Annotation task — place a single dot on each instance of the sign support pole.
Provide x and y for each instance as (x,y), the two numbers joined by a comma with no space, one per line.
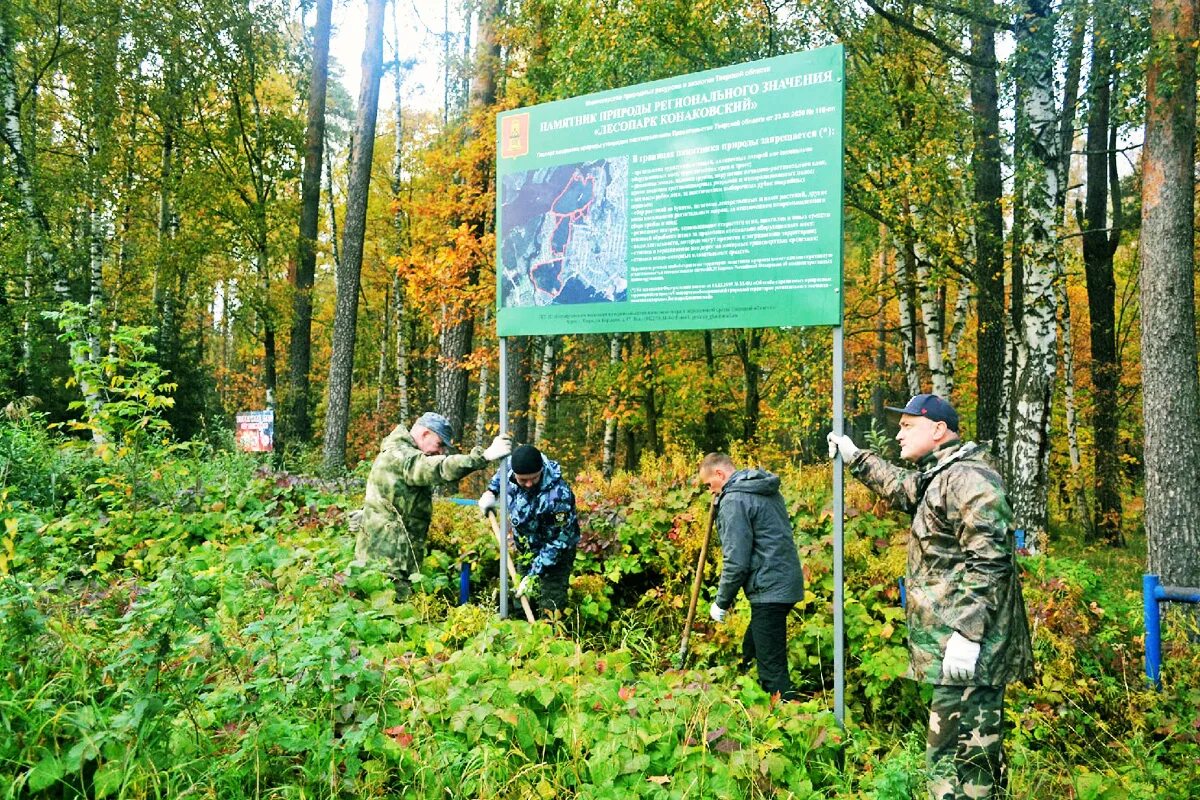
(503,543)
(839,639)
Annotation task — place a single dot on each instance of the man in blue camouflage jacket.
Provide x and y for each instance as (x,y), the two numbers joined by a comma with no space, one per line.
(541,507)
(968,634)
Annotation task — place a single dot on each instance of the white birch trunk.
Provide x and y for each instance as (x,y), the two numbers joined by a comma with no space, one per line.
(26,332)
(931,316)
(381,369)
(401,345)
(958,326)
(1036,340)
(609,457)
(10,134)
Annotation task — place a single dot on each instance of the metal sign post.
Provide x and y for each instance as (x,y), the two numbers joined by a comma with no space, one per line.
(839,655)
(503,412)
(700,201)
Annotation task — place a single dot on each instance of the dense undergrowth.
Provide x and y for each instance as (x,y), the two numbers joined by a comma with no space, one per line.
(178,621)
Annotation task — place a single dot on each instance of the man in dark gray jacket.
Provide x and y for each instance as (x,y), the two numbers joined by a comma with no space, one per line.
(760,559)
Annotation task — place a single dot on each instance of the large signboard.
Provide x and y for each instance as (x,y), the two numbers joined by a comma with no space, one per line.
(256,431)
(711,200)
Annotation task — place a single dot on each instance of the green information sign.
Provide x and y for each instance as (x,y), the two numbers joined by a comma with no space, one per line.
(711,200)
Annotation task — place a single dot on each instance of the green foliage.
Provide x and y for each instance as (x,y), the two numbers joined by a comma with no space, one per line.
(211,641)
(124,391)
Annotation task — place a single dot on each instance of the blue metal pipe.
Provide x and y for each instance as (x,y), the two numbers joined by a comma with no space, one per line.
(1177,594)
(1150,589)
(464,583)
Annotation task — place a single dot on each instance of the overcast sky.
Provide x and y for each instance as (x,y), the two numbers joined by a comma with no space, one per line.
(418,24)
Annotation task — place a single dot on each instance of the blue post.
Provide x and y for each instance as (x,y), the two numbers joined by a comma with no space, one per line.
(464,583)
(1153,633)
(903,594)
(1019,538)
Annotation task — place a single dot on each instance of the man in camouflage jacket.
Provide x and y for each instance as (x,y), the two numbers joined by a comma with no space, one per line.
(541,507)
(399,497)
(968,632)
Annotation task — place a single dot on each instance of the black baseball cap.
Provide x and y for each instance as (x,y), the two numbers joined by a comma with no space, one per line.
(931,406)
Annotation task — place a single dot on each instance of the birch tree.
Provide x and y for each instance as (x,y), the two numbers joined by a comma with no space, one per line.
(1036,354)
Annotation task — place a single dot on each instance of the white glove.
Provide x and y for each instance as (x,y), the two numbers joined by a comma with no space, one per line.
(526,585)
(499,448)
(717,613)
(961,655)
(487,503)
(841,443)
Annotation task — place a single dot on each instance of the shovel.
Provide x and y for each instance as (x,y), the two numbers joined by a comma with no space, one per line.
(696,582)
(512,571)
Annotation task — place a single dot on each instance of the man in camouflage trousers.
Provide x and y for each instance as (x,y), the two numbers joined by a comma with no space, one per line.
(399,498)
(541,507)
(968,633)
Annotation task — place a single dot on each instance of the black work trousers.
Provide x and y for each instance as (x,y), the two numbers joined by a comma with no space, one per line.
(766,643)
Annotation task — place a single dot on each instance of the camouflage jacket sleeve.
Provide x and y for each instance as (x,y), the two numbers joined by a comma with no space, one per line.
(733,524)
(560,528)
(418,469)
(983,515)
(898,486)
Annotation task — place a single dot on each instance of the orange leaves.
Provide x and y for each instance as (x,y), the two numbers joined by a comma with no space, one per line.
(446,283)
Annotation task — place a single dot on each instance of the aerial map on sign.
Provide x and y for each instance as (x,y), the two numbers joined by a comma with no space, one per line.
(563,234)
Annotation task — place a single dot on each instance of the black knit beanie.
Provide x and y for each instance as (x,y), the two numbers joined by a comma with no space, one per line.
(526,460)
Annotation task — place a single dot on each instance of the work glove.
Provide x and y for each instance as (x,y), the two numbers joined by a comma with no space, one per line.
(961,655)
(717,613)
(500,447)
(527,586)
(487,503)
(841,443)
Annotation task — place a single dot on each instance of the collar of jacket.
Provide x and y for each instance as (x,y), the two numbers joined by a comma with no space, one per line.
(945,453)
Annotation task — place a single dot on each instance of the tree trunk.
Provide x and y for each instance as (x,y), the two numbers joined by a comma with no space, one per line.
(518,387)
(748,343)
(298,423)
(908,323)
(381,370)
(1066,125)
(608,459)
(1036,351)
(958,326)
(1099,247)
(1077,504)
(931,316)
(341,363)
(1170,390)
(545,390)
(333,221)
(400,223)
(481,408)
(455,346)
(37,225)
(713,440)
(401,345)
(989,231)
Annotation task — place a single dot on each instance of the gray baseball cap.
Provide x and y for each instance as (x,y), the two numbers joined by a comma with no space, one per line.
(439,425)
